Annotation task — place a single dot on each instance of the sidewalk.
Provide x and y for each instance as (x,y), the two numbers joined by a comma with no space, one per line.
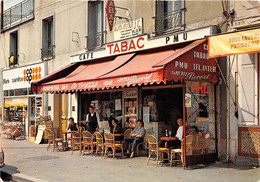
(29,160)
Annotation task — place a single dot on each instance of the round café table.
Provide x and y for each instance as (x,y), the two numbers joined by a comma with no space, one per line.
(118,135)
(65,133)
(167,139)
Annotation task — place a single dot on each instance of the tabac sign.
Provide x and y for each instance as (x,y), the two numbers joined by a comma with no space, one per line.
(142,42)
(234,43)
(110,10)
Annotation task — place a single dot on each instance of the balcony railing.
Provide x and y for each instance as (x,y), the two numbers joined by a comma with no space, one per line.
(48,53)
(18,14)
(169,22)
(95,40)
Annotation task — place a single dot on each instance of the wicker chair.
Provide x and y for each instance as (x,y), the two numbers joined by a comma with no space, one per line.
(81,129)
(127,133)
(99,143)
(110,143)
(76,141)
(154,149)
(88,142)
(141,143)
(52,138)
(69,138)
(179,153)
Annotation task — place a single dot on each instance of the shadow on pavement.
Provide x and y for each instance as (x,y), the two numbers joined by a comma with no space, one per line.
(227,165)
(7,171)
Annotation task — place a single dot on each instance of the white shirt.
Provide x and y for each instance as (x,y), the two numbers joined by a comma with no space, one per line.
(92,115)
(179,133)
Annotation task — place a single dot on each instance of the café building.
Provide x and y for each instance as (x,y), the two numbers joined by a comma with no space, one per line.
(143,79)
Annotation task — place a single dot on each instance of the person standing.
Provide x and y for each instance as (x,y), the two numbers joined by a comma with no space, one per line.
(93,119)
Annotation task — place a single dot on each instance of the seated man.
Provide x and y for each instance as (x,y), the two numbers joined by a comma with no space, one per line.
(116,129)
(179,136)
(137,136)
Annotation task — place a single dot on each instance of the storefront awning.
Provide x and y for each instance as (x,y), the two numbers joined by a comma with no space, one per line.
(188,63)
(243,42)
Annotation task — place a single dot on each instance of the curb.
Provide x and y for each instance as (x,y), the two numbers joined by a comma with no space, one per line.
(20,177)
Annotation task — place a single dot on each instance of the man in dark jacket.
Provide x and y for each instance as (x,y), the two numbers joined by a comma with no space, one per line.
(116,129)
(93,119)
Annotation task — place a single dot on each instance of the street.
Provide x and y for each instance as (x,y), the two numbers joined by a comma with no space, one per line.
(23,158)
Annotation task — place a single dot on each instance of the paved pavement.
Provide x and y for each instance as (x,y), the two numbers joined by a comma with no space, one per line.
(28,160)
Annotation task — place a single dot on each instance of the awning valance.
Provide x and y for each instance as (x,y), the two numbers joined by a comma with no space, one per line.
(188,63)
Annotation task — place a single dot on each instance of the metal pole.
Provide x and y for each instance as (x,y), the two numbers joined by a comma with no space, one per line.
(228,116)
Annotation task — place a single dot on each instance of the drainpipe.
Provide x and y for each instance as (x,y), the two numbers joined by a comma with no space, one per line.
(228,116)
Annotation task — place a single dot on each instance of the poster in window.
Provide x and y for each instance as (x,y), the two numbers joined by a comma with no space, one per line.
(187,100)
(146,114)
(118,105)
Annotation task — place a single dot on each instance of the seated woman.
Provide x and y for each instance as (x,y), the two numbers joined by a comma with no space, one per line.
(72,126)
(137,136)
(116,129)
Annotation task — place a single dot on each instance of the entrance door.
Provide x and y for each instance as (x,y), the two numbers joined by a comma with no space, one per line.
(200,133)
(63,112)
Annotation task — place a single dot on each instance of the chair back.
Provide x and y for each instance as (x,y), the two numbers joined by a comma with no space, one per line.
(99,138)
(81,129)
(152,142)
(76,137)
(87,137)
(50,134)
(109,139)
(55,133)
(127,133)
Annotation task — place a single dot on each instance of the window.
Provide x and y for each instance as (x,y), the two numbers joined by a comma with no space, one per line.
(169,16)
(13,59)
(95,37)
(247,93)
(5,92)
(47,51)
(20,92)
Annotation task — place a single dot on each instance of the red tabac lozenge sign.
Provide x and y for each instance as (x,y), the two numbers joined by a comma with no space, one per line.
(110,10)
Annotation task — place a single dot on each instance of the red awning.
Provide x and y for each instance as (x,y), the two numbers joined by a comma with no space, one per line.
(189,63)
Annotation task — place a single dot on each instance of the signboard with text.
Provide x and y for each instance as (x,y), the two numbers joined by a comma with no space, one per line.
(105,83)
(234,43)
(128,29)
(22,77)
(193,65)
(110,10)
(142,43)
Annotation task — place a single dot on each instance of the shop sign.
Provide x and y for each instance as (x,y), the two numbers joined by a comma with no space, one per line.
(128,30)
(193,66)
(130,93)
(106,83)
(200,89)
(110,10)
(16,102)
(234,43)
(22,77)
(142,43)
